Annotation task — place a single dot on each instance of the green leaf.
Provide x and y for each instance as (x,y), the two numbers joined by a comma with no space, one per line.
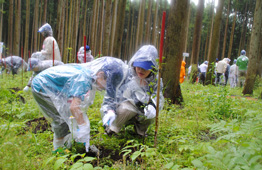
(169,165)
(197,163)
(89,159)
(76,165)
(48,161)
(135,155)
(88,167)
(59,163)
(74,156)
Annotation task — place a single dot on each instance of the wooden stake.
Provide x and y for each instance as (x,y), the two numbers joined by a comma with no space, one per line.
(159,73)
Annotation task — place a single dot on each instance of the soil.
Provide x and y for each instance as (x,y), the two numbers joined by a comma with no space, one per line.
(38,125)
(247,97)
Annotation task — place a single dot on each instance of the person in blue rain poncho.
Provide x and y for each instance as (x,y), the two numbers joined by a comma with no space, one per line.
(12,64)
(137,95)
(64,93)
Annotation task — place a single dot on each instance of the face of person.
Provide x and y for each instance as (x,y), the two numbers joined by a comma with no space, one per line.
(142,73)
(101,81)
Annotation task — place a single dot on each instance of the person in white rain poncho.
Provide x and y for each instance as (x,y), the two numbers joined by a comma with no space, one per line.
(36,65)
(64,93)
(137,100)
(81,54)
(12,64)
(47,49)
(233,74)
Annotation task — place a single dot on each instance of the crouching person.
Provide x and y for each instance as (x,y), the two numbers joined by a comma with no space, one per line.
(137,99)
(64,93)
(36,65)
(13,64)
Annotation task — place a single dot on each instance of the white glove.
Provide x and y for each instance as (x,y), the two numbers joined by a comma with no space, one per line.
(150,112)
(26,89)
(109,118)
(83,135)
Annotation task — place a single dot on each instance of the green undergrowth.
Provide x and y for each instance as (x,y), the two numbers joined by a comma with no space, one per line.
(216,128)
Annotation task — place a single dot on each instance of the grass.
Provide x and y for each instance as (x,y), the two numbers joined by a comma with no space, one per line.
(217,128)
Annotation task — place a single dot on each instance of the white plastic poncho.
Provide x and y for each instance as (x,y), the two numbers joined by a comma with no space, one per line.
(65,82)
(81,55)
(48,44)
(38,65)
(13,63)
(139,94)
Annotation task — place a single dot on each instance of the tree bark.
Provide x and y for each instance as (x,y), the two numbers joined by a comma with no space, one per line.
(26,44)
(154,31)
(1,21)
(254,54)
(214,43)
(119,29)
(113,28)
(45,12)
(10,27)
(101,27)
(148,22)
(232,35)
(174,46)
(17,30)
(197,38)
(225,34)
(107,27)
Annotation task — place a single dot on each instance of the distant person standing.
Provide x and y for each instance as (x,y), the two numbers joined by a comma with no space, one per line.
(47,50)
(203,70)
(182,72)
(233,74)
(227,71)
(242,63)
(221,69)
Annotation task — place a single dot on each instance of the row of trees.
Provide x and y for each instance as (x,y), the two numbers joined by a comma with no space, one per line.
(119,27)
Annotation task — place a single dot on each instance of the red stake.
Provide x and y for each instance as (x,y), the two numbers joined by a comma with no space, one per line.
(159,73)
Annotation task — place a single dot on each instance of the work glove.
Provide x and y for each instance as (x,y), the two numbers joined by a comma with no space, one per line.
(26,88)
(83,135)
(109,117)
(150,111)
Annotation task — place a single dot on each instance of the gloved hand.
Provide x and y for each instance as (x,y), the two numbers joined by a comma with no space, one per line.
(150,112)
(83,135)
(109,117)
(26,89)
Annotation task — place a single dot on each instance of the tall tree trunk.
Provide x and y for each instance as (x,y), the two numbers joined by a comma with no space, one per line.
(26,45)
(113,28)
(1,21)
(36,19)
(254,54)
(148,22)
(76,24)
(45,12)
(92,41)
(127,40)
(119,29)
(69,44)
(17,30)
(154,31)
(61,26)
(232,35)
(10,27)
(214,43)
(211,27)
(174,46)
(225,34)
(243,32)
(65,45)
(131,45)
(101,27)
(197,39)
(139,24)
(107,27)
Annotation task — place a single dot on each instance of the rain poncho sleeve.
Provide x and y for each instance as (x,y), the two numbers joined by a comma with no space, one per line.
(142,95)
(37,65)
(47,50)
(81,55)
